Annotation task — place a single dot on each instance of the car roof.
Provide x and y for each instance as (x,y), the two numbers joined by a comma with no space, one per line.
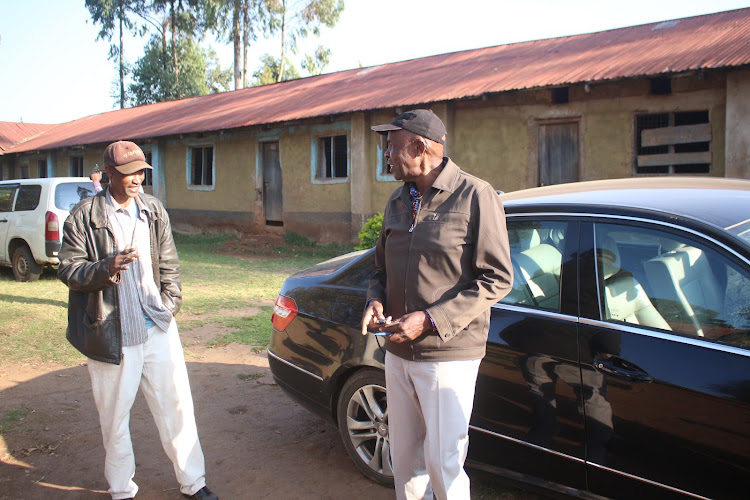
(719,202)
(46,180)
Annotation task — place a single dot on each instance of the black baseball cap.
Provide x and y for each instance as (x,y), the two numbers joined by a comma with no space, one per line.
(419,121)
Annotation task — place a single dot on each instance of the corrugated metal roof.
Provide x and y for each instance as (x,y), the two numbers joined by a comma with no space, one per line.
(14,133)
(701,42)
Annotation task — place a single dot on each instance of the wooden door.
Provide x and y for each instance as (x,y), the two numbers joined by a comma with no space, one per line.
(272,184)
(558,153)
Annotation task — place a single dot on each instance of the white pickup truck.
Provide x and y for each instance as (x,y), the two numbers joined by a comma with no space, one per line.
(32,212)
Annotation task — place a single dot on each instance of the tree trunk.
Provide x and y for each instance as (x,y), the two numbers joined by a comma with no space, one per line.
(122,63)
(237,39)
(174,44)
(245,40)
(283,41)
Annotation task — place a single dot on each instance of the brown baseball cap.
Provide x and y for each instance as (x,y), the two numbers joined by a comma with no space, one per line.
(126,157)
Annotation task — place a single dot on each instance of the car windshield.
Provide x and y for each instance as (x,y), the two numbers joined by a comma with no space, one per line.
(68,194)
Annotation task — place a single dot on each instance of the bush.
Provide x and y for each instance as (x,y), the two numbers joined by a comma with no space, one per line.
(370,233)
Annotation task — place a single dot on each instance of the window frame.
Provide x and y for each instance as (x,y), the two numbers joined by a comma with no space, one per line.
(334,130)
(73,162)
(568,274)
(716,250)
(662,158)
(382,173)
(190,150)
(42,169)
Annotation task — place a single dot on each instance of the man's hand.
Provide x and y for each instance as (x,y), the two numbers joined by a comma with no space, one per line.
(96,176)
(408,327)
(121,260)
(373,319)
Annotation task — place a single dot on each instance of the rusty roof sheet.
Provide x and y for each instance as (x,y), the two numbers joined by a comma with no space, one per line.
(13,133)
(702,42)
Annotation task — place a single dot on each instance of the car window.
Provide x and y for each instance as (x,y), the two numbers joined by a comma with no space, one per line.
(28,197)
(6,198)
(669,282)
(68,194)
(536,253)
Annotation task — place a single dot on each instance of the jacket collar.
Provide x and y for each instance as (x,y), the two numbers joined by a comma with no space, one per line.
(99,216)
(445,181)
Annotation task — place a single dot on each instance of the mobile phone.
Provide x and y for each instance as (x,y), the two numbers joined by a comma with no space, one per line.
(382,334)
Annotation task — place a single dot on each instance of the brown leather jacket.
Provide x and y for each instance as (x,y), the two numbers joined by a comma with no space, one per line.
(88,245)
(455,264)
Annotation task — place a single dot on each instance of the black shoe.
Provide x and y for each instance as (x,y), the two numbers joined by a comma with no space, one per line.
(203,494)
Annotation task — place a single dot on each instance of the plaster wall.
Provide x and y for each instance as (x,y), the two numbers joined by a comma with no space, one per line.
(737,125)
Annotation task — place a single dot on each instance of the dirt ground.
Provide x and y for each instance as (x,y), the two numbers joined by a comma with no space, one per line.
(258,443)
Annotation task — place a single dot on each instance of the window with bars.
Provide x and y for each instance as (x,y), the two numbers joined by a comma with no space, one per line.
(76,166)
(673,143)
(201,163)
(333,157)
(41,169)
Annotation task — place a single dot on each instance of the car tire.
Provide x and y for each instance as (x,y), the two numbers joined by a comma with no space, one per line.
(362,413)
(25,268)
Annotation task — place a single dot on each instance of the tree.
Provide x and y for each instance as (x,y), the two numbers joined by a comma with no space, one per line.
(239,22)
(114,15)
(315,64)
(183,17)
(155,79)
(297,19)
(269,71)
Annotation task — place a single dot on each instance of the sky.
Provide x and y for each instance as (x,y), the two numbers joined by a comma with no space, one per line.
(54,70)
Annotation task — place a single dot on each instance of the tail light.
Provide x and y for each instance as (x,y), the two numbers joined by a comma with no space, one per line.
(284,312)
(51,227)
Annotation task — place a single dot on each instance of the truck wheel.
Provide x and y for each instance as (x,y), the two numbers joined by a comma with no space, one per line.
(25,268)
(363,424)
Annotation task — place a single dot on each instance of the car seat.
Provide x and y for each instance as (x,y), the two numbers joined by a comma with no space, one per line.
(624,297)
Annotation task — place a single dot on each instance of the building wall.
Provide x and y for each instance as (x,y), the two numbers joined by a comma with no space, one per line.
(737,125)
(495,137)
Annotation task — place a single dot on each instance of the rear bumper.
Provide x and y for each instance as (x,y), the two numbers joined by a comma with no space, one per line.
(51,249)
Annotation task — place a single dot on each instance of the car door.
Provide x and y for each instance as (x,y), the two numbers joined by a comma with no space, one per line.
(7,197)
(664,329)
(528,412)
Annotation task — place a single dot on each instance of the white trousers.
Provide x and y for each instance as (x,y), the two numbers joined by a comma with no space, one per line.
(429,407)
(158,368)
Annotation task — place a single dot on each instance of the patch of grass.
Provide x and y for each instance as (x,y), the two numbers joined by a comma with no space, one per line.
(33,319)
(34,316)
(10,420)
(249,376)
(298,240)
(248,330)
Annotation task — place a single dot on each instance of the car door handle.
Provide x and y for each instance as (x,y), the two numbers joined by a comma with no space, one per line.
(620,368)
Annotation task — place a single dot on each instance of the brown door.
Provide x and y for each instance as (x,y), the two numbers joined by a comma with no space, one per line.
(272,207)
(558,153)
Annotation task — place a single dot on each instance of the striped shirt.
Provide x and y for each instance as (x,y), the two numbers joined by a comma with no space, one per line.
(139,299)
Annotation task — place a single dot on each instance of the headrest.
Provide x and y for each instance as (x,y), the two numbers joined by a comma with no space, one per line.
(523,239)
(609,257)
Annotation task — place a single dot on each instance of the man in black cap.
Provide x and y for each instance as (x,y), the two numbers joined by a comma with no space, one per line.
(441,261)
(120,263)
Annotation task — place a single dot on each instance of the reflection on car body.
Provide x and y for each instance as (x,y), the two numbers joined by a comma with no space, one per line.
(619,364)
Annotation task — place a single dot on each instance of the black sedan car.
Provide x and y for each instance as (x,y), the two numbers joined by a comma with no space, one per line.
(618,366)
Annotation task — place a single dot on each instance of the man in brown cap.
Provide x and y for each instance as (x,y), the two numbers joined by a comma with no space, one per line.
(120,263)
(441,261)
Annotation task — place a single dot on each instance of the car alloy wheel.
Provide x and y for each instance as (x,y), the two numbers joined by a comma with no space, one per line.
(363,424)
